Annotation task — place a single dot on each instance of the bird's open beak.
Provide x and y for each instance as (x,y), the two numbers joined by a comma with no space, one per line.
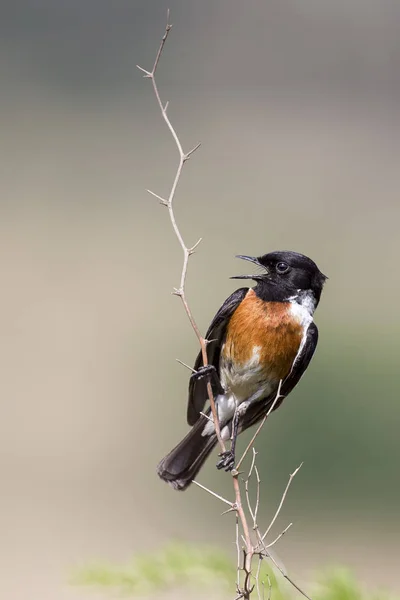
(251,259)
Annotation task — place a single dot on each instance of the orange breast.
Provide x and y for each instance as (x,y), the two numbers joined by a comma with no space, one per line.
(270,328)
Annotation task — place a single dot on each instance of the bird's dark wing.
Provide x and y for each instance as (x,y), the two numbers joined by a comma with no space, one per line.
(216,334)
(256,411)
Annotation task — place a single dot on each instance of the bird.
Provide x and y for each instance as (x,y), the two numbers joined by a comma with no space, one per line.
(260,343)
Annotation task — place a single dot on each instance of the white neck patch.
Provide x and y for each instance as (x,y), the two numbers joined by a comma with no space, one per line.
(303,307)
(304,299)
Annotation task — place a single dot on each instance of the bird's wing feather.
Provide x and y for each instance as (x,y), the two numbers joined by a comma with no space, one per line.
(216,334)
(256,411)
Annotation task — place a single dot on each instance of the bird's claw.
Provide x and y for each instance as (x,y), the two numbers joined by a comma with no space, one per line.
(227,461)
(203,372)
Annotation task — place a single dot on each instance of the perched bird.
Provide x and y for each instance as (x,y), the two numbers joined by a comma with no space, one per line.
(261,338)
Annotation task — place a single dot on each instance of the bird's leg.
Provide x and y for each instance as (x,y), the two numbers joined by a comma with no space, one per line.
(209,373)
(227,461)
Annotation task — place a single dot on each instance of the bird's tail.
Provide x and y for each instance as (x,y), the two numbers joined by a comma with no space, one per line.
(183,463)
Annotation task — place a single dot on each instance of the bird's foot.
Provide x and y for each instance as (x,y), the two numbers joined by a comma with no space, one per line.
(204,372)
(227,461)
(209,374)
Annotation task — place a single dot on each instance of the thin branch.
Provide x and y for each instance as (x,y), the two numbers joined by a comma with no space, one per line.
(246,484)
(249,550)
(279,536)
(257,497)
(203,487)
(281,570)
(238,553)
(253,462)
(286,576)
(262,546)
(168,202)
(250,444)
(252,512)
(292,475)
(258,577)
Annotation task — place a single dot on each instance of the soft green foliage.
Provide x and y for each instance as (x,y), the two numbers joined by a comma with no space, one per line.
(174,566)
(338,584)
(202,568)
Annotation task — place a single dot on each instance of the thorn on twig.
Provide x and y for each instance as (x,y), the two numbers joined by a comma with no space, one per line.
(236,473)
(168,25)
(189,154)
(166,106)
(177,292)
(185,365)
(146,73)
(231,509)
(203,487)
(160,198)
(193,248)
(206,416)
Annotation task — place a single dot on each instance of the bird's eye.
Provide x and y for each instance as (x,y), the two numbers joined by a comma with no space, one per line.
(282,268)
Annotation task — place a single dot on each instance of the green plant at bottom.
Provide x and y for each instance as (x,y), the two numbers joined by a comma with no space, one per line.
(204,568)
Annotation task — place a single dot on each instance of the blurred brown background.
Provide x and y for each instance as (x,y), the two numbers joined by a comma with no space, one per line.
(296,104)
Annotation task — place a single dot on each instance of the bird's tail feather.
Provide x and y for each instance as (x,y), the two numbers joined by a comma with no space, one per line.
(183,463)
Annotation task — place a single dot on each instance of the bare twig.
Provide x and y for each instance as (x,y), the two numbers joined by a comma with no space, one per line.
(168,202)
(278,510)
(203,487)
(286,576)
(250,444)
(253,462)
(246,484)
(258,494)
(238,553)
(257,577)
(282,533)
(261,547)
(249,550)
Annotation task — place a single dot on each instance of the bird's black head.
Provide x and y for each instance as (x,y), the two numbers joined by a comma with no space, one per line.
(285,274)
